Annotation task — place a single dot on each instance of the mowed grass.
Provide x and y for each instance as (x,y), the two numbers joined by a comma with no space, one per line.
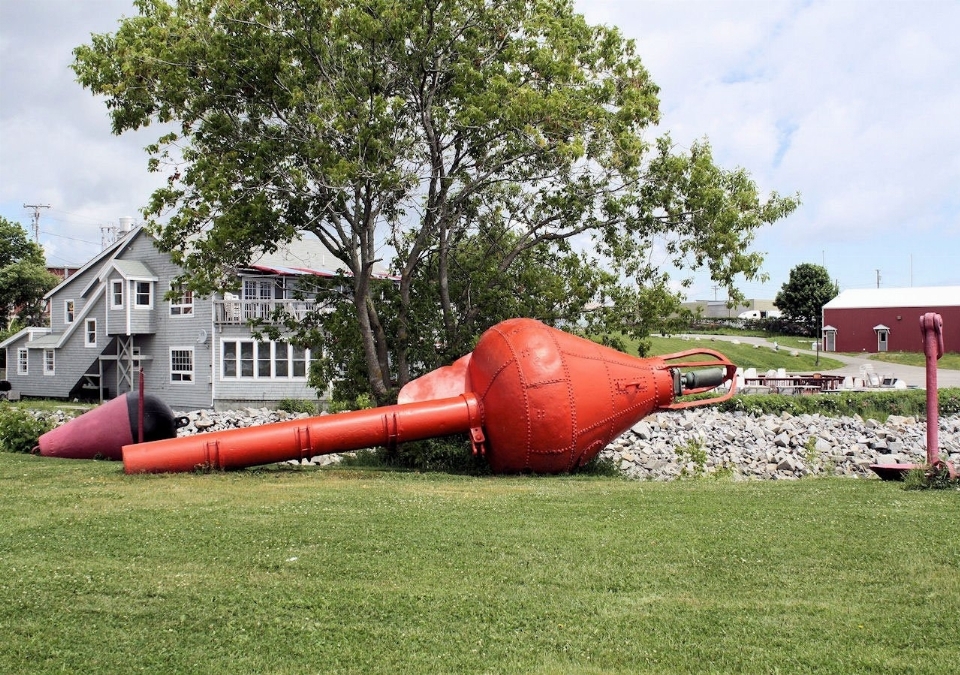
(949,360)
(745,355)
(307,571)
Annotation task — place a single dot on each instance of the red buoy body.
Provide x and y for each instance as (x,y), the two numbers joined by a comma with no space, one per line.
(552,401)
(103,431)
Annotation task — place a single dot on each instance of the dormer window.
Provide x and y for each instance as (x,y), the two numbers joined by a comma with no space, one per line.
(143,295)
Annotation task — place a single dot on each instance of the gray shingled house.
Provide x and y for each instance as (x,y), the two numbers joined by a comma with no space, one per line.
(111,318)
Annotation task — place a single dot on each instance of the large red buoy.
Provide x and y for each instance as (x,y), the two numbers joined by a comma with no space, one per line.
(103,431)
(532,398)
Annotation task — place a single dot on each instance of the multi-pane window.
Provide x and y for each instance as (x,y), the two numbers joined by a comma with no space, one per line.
(90,333)
(23,367)
(49,362)
(263,360)
(182,303)
(143,296)
(181,364)
(68,311)
(116,294)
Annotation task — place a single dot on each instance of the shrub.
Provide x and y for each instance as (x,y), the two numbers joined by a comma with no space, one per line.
(20,429)
(878,405)
(451,454)
(296,405)
(362,402)
(929,478)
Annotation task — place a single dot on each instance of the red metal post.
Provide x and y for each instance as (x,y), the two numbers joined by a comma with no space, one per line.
(931,325)
(140,410)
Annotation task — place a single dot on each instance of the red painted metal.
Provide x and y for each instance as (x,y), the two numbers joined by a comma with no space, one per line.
(100,432)
(532,398)
(931,327)
(140,410)
(105,430)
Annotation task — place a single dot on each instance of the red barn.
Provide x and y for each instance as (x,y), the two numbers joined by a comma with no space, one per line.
(888,319)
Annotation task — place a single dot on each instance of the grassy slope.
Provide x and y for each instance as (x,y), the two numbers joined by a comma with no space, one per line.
(949,361)
(309,571)
(747,356)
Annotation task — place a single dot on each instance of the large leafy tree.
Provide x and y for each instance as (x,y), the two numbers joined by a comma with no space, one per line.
(802,297)
(414,126)
(24,278)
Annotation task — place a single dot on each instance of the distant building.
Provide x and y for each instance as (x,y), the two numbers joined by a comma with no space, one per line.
(888,319)
(717,309)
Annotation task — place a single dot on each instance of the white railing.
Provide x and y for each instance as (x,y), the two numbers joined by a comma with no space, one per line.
(238,312)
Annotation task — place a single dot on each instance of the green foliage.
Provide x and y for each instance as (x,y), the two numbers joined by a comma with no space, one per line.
(362,401)
(930,478)
(693,451)
(600,467)
(297,405)
(20,430)
(451,454)
(437,129)
(24,278)
(878,405)
(803,296)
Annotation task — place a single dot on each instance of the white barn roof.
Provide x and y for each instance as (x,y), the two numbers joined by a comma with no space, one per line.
(918,296)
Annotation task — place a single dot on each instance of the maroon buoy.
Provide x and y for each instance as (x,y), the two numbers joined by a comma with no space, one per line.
(102,432)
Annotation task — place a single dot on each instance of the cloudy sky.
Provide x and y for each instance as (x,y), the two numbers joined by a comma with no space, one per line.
(853,104)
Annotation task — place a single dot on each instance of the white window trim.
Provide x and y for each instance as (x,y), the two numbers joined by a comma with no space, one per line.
(193,366)
(307,359)
(49,367)
(67,319)
(136,295)
(113,284)
(86,333)
(185,309)
(24,361)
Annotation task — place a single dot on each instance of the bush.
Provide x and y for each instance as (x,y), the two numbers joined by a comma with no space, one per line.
(878,405)
(296,405)
(927,478)
(20,429)
(451,454)
(362,402)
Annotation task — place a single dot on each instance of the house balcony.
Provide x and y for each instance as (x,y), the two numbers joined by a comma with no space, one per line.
(239,312)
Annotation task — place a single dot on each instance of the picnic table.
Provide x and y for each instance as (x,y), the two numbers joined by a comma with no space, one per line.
(794,384)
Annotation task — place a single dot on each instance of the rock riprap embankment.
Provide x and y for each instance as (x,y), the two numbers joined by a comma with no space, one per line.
(668,445)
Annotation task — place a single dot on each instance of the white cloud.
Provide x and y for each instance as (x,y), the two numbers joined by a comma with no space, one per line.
(853,103)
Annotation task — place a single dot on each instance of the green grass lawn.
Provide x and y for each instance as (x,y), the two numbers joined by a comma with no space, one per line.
(949,361)
(748,356)
(306,571)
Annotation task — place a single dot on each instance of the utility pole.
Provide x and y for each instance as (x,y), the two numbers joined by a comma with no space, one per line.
(36,218)
(878,278)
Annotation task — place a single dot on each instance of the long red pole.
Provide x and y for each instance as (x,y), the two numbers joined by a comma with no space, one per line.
(300,439)
(931,324)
